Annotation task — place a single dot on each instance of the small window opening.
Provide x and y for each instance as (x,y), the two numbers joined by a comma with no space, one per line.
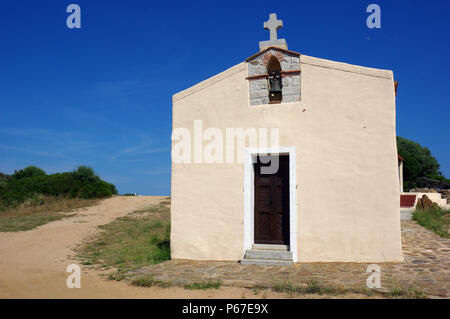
(274,80)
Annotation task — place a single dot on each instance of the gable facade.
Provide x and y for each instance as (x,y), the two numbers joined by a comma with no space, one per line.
(336,123)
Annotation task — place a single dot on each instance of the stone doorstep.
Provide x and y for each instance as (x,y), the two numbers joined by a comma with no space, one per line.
(270,247)
(268,254)
(266,262)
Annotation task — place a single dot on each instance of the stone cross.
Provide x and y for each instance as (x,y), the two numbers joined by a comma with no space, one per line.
(273,24)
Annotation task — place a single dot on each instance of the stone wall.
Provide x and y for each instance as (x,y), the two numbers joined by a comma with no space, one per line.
(257,65)
(259,92)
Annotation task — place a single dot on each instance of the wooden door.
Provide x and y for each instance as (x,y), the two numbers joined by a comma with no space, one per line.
(272,203)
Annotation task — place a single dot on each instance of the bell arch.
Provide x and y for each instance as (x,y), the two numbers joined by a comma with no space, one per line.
(273,64)
(274,80)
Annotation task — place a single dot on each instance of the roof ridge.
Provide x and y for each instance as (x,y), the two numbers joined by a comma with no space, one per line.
(269,48)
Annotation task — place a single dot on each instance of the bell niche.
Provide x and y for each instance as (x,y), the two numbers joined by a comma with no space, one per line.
(274,76)
(274,80)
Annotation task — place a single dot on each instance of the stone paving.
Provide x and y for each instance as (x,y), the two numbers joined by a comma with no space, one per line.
(426,266)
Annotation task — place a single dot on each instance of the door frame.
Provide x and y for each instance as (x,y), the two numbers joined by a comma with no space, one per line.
(249,190)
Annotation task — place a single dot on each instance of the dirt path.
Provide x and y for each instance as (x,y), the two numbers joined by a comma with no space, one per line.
(33,263)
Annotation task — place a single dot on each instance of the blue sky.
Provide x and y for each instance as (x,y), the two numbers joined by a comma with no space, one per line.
(101,95)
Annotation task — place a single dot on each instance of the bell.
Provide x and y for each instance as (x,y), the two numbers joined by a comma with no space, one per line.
(275,86)
(275,83)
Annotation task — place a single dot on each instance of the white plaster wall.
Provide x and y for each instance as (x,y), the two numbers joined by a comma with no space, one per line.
(346,158)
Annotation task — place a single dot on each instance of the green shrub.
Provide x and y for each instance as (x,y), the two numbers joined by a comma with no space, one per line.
(85,174)
(26,183)
(29,171)
(4,178)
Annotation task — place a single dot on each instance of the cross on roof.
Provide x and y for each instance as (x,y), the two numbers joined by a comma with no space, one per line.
(273,25)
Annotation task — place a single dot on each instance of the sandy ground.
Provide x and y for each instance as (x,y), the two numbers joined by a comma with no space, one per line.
(33,263)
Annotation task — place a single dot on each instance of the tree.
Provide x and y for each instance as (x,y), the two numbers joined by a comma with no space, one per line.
(4,178)
(29,171)
(85,173)
(418,162)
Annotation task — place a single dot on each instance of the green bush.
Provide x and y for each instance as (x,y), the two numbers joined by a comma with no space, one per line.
(29,171)
(4,179)
(30,181)
(85,174)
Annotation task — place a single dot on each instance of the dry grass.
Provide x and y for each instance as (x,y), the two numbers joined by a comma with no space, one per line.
(138,239)
(40,210)
(314,287)
(435,219)
(148,281)
(204,285)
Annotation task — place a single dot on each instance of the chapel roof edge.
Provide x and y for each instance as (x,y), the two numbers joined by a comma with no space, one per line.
(271,48)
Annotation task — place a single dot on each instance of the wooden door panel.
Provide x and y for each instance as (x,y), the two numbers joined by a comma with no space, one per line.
(263,199)
(278,199)
(262,224)
(264,180)
(272,204)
